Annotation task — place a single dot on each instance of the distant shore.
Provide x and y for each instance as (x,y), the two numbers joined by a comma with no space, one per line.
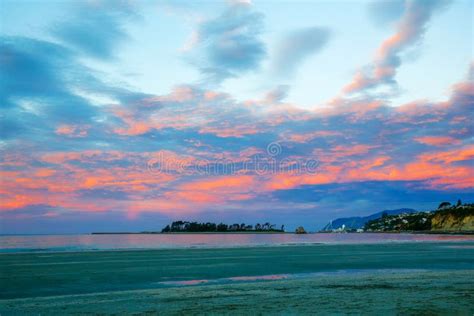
(276,232)
(188,233)
(418,232)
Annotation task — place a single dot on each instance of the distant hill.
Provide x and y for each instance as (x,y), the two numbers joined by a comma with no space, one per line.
(359,222)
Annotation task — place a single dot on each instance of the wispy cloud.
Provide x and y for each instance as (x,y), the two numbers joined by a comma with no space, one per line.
(230,44)
(96,27)
(35,78)
(410,30)
(386,11)
(297,46)
(277,94)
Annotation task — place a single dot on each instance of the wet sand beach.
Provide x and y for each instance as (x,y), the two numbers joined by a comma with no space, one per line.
(408,278)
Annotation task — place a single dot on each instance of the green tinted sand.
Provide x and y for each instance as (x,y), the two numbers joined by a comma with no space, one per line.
(404,278)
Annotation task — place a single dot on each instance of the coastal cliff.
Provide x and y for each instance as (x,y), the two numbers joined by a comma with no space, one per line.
(453,220)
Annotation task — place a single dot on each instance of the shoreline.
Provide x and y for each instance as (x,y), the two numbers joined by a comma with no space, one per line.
(189,233)
(420,232)
(235,247)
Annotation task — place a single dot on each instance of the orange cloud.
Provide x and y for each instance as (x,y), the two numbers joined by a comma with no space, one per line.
(230,131)
(437,140)
(303,138)
(222,182)
(447,157)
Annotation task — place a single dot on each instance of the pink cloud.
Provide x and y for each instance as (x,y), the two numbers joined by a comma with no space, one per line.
(72,130)
(410,30)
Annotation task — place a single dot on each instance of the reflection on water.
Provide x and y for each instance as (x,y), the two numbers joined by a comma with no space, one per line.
(159,241)
(261,277)
(185,282)
(254,278)
(274,277)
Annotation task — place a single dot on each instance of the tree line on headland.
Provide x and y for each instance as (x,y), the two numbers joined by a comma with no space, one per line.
(194,227)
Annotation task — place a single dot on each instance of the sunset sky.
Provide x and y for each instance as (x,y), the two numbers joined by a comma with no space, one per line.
(126,115)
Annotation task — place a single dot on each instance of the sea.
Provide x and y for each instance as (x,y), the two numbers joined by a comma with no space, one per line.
(90,242)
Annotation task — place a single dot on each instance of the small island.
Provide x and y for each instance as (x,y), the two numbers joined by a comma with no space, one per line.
(195,227)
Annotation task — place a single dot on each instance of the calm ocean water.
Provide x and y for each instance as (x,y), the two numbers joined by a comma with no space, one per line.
(163,241)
